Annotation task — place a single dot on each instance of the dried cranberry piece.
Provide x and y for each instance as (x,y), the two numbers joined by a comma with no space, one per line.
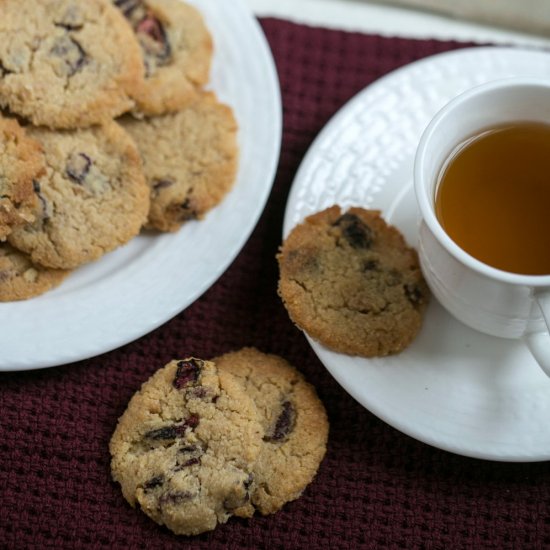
(152,27)
(154,482)
(154,39)
(187,211)
(414,294)
(248,482)
(168,432)
(183,211)
(284,424)
(187,372)
(173,431)
(162,184)
(127,6)
(192,421)
(175,497)
(188,449)
(45,215)
(68,26)
(71,52)
(4,71)
(190,462)
(393,277)
(370,265)
(77,167)
(356,232)
(192,455)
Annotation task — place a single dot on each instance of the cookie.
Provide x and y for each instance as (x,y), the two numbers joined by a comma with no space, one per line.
(177,52)
(294,426)
(189,158)
(183,448)
(352,283)
(67,63)
(21,279)
(93,196)
(21,162)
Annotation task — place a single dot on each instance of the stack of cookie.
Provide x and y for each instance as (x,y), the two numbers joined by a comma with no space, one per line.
(205,440)
(74,182)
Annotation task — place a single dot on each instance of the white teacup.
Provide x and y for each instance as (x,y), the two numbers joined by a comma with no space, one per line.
(487,299)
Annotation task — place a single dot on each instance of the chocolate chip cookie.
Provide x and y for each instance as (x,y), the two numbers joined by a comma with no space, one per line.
(21,162)
(351,282)
(92,197)
(193,162)
(184,447)
(294,426)
(176,48)
(67,63)
(21,279)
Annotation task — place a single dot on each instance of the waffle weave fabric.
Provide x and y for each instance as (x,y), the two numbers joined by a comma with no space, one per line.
(376,488)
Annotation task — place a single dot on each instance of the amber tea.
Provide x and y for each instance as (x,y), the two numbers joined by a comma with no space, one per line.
(493,197)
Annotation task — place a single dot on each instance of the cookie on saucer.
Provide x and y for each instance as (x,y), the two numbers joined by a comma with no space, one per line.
(184,448)
(294,426)
(351,282)
(177,51)
(66,63)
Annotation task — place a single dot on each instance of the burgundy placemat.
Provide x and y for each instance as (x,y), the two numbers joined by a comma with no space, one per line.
(376,488)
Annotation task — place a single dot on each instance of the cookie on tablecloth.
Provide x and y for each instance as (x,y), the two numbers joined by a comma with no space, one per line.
(351,282)
(190,159)
(67,63)
(294,426)
(184,447)
(21,279)
(93,196)
(177,52)
(21,162)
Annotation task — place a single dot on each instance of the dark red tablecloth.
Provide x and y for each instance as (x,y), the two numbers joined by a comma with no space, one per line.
(376,488)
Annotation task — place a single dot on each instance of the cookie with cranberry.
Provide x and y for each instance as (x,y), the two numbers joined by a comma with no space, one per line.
(351,282)
(189,158)
(21,279)
(92,197)
(184,448)
(177,51)
(67,63)
(21,162)
(294,426)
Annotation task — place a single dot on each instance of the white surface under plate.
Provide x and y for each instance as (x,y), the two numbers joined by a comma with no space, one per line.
(136,288)
(453,388)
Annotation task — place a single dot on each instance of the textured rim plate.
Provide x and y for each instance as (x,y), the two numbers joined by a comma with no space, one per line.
(134,289)
(453,388)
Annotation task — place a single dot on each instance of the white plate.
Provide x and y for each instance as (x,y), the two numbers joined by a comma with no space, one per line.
(134,289)
(453,388)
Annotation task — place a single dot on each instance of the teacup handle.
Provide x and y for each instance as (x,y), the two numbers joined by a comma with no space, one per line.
(539,342)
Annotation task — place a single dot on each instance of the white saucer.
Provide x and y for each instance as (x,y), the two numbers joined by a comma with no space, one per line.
(453,388)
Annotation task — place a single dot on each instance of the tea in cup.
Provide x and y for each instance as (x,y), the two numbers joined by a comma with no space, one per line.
(482,181)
